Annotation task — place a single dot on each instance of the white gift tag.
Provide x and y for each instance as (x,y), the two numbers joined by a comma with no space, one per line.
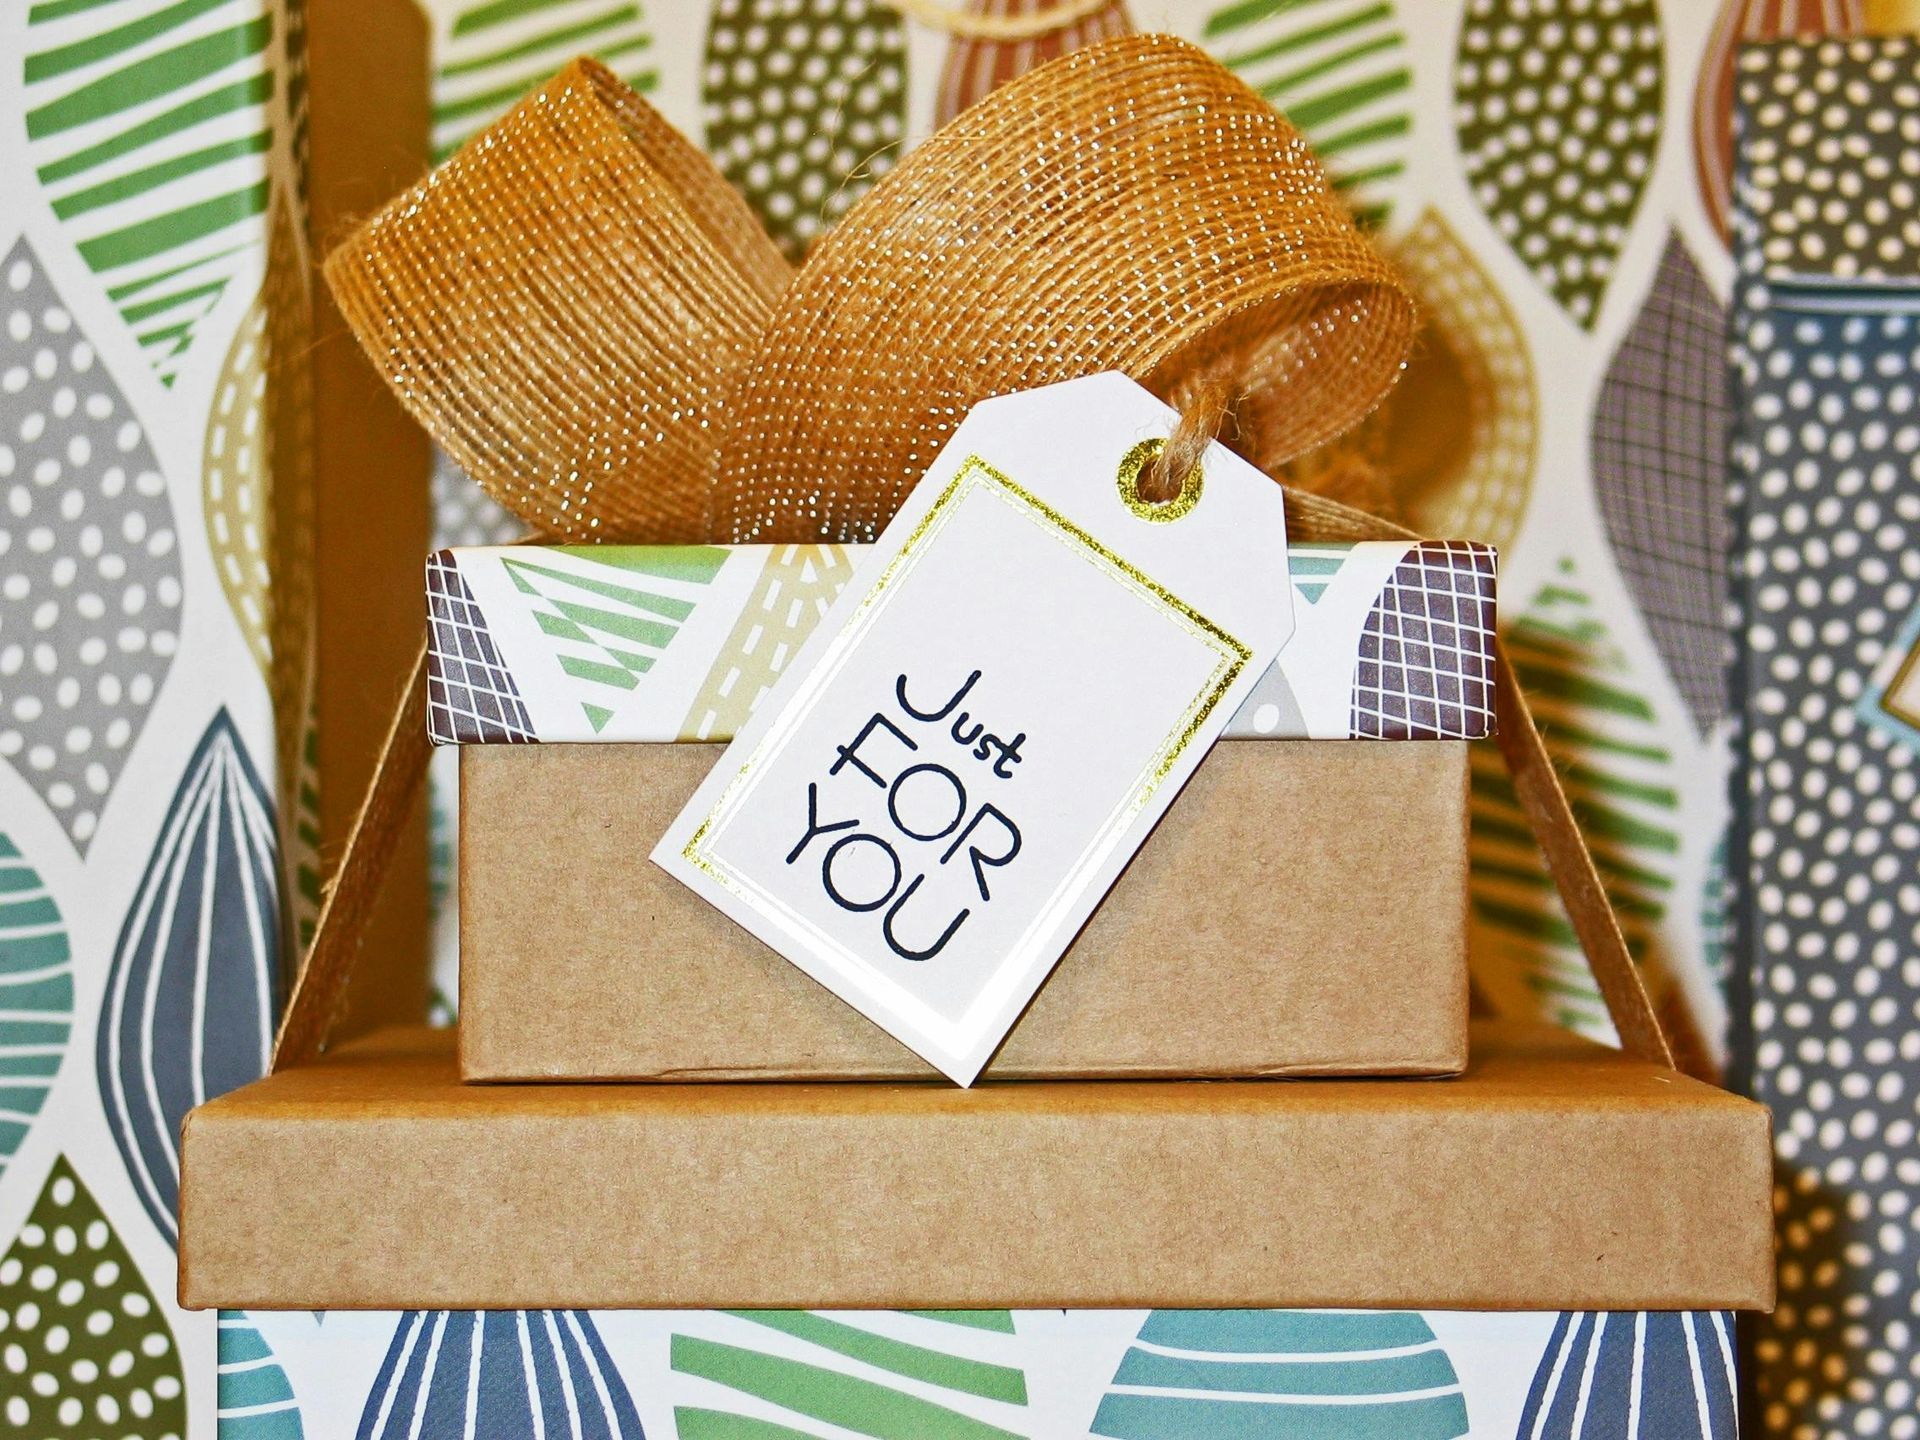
(1009,692)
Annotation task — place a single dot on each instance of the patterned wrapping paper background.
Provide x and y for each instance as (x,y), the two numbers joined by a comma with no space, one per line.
(1393,640)
(1554,177)
(155,614)
(976,1375)
(1827,845)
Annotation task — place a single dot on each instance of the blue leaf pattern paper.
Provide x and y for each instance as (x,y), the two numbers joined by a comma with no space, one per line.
(502,1374)
(255,1400)
(36,995)
(190,1004)
(1282,1374)
(1649,1376)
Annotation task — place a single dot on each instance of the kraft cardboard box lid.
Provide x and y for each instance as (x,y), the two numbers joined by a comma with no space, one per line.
(1393,640)
(1555,1174)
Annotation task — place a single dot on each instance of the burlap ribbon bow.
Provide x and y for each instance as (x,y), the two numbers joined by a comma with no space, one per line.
(590,321)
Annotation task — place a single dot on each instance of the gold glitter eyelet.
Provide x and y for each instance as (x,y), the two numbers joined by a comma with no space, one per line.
(1162,512)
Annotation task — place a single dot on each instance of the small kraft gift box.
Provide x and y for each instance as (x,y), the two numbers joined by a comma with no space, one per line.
(582,960)
(1435,1226)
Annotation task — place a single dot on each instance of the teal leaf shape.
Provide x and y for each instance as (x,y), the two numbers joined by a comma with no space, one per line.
(806,106)
(36,996)
(1606,741)
(1660,475)
(1672,1368)
(1339,71)
(1284,1375)
(87,1351)
(89,558)
(1312,566)
(192,992)
(489,53)
(1558,107)
(506,1373)
(256,1402)
(895,1377)
(147,123)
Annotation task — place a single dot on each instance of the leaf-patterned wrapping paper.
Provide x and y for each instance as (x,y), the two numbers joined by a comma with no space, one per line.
(153,297)
(1495,435)
(982,1374)
(626,643)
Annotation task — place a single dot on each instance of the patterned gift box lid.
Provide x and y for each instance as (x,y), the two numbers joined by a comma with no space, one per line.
(1393,640)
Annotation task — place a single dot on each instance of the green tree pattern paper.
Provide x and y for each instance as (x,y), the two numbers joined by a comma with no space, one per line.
(1281,1374)
(892,1376)
(805,106)
(91,1351)
(607,630)
(1558,118)
(1341,71)
(1619,775)
(36,996)
(490,53)
(148,126)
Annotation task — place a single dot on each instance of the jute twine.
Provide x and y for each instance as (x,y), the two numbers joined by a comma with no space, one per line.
(588,319)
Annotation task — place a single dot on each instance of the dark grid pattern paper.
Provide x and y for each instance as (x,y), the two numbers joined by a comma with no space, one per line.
(1426,656)
(471,699)
(1825,849)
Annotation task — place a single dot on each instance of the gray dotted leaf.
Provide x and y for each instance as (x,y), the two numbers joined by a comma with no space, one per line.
(89,559)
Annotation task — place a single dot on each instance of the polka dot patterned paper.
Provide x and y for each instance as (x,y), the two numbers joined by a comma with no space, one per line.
(89,566)
(1827,837)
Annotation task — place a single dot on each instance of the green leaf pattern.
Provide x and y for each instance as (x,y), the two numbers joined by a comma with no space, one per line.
(792,1373)
(487,55)
(147,123)
(1340,71)
(805,104)
(36,996)
(1619,775)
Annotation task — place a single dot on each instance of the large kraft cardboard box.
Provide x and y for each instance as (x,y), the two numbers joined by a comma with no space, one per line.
(1301,909)
(1553,1174)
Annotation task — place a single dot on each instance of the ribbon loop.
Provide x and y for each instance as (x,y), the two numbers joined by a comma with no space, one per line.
(586,316)
(558,304)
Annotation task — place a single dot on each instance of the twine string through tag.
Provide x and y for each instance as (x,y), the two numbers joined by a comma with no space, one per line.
(1208,406)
